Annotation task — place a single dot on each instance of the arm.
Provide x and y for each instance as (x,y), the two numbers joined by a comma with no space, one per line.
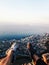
(7,59)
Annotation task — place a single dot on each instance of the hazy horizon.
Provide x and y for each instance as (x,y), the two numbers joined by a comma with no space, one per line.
(24,29)
(24,16)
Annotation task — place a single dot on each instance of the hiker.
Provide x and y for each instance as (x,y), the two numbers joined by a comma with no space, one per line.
(7,60)
(34,56)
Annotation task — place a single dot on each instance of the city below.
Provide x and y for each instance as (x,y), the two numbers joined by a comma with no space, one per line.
(40,42)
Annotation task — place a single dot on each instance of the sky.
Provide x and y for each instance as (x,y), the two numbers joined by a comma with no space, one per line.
(31,13)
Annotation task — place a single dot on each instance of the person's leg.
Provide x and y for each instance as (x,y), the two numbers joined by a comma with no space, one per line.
(38,60)
(7,59)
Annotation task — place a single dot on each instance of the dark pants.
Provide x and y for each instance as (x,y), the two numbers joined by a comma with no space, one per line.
(40,62)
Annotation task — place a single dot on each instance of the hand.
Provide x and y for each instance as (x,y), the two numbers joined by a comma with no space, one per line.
(7,59)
